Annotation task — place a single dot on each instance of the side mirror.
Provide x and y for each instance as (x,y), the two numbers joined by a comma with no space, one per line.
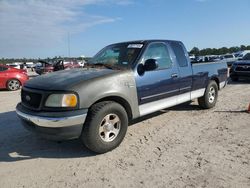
(149,65)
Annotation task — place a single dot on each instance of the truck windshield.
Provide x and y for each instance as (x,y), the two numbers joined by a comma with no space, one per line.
(120,55)
(246,57)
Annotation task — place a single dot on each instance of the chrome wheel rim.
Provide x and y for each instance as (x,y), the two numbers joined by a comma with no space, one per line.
(13,85)
(211,95)
(109,127)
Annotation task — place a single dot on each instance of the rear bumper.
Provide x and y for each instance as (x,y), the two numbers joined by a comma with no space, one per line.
(53,125)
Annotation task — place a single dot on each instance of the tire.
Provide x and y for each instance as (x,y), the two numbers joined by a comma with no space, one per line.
(209,99)
(13,85)
(105,127)
(234,79)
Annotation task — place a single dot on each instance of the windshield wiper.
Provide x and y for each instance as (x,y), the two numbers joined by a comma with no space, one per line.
(104,65)
(108,66)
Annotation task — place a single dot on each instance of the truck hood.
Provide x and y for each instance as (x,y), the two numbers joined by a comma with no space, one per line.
(66,79)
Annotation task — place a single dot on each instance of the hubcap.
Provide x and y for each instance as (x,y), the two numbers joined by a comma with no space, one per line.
(14,85)
(211,95)
(109,127)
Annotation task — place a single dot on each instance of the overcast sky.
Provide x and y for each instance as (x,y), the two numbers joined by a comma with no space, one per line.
(41,28)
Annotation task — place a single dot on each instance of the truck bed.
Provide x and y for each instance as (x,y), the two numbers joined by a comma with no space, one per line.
(210,70)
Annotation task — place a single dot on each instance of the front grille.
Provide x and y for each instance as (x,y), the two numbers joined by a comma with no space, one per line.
(243,68)
(31,99)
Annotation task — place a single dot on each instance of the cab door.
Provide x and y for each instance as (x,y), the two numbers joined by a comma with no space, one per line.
(181,58)
(159,88)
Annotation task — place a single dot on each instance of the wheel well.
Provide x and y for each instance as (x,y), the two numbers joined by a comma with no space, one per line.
(217,81)
(120,101)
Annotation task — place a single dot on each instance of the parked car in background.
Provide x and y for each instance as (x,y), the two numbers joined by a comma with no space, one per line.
(43,67)
(242,54)
(215,58)
(66,64)
(82,63)
(204,59)
(236,54)
(30,64)
(12,78)
(17,65)
(229,59)
(241,68)
(192,57)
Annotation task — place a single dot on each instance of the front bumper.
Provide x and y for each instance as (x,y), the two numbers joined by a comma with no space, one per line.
(240,74)
(53,125)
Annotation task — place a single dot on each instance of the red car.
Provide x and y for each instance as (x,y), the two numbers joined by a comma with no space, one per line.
(12,78)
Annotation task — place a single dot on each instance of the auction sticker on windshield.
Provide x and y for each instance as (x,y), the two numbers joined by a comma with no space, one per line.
(135,45)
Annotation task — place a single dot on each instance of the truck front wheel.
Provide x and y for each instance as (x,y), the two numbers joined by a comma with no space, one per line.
(209,99)
(105,127)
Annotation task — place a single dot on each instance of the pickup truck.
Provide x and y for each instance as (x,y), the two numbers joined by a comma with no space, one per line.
(122,82)
(241,68)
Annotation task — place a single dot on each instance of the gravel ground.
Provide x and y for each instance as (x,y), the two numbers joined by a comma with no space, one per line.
(183,146)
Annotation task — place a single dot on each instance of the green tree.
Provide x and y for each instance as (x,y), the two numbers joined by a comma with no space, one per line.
(195,51)
(243,47)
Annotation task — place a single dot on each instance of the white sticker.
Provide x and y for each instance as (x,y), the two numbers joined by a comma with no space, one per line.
(135,45)
(124,63)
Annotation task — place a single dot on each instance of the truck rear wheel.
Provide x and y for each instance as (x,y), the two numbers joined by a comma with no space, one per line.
(105,127)
(209,99)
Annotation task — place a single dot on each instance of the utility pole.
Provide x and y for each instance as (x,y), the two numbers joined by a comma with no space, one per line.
(68,44)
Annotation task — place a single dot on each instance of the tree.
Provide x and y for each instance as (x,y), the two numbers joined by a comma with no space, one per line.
(243,47)
(195,51)
(234,49)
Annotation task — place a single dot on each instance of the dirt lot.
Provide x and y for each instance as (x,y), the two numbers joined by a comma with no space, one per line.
(180,147)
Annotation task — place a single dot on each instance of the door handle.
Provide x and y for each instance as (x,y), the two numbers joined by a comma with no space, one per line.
(175,75)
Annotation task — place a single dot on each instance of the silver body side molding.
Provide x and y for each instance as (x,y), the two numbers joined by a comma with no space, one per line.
(197,93)
(169,102)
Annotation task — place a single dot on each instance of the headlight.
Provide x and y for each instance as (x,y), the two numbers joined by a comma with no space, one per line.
(61,100)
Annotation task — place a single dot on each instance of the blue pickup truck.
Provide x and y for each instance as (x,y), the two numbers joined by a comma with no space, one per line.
(122,82)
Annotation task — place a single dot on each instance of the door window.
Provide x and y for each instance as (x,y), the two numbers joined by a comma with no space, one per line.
(180,54)
(160,53)
(3,69)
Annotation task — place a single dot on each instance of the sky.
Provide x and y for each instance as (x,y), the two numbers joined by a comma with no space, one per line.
(48,28)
